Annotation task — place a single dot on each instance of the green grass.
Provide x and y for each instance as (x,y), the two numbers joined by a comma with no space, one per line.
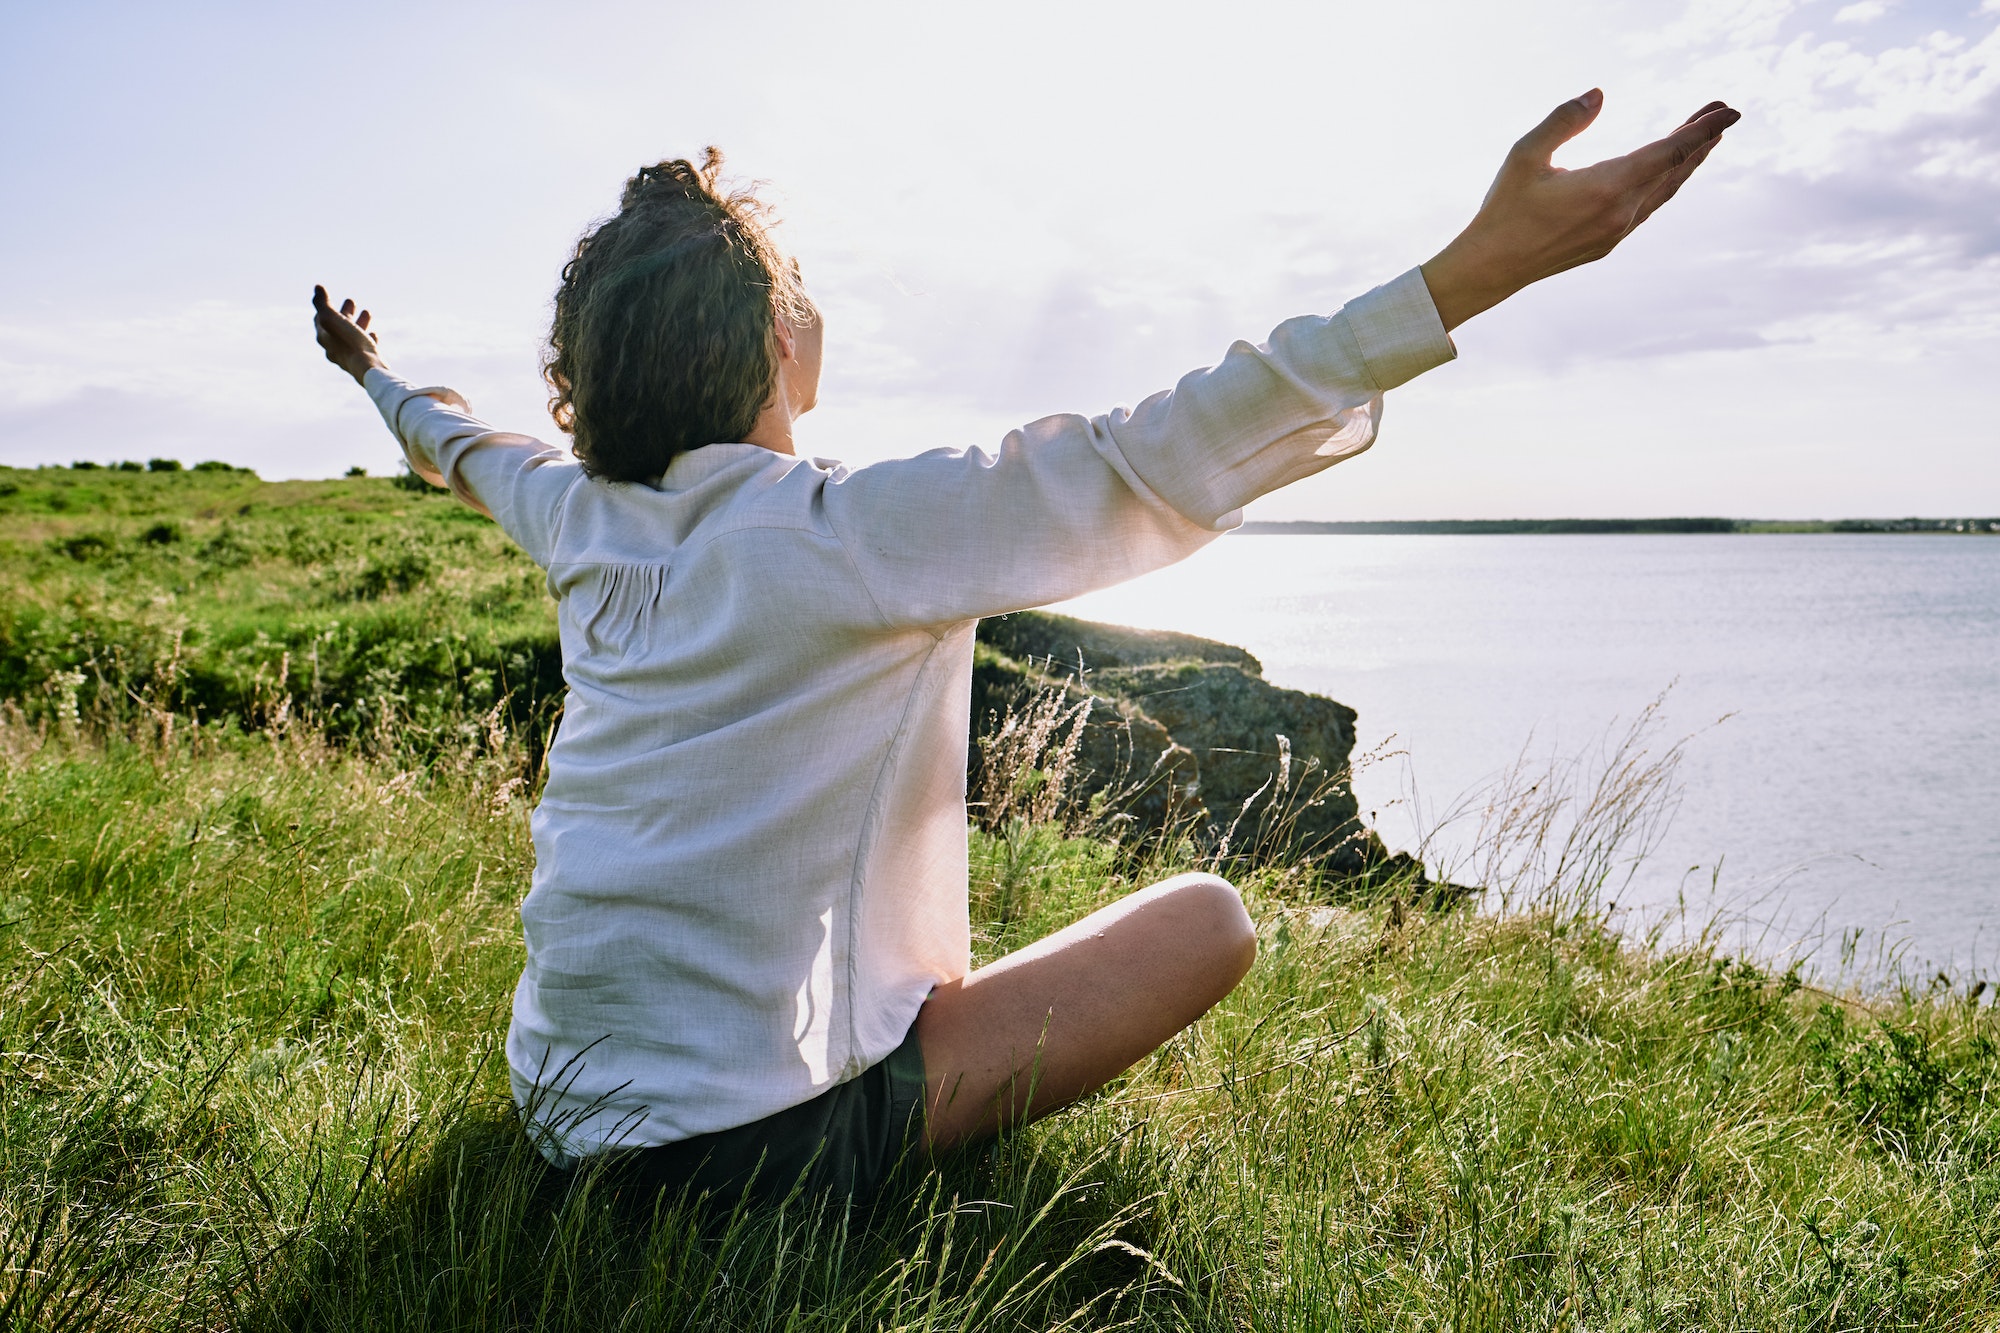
(381,615)
(254,976)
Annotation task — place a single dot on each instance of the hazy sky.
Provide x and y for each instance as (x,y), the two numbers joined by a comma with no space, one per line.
(1012,210)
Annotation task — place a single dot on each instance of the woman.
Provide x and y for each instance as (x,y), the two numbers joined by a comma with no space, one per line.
(747,940)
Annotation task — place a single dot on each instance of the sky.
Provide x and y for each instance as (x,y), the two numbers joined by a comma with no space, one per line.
(1008,211)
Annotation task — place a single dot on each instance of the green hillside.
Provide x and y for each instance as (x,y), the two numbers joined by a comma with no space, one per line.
(376,611)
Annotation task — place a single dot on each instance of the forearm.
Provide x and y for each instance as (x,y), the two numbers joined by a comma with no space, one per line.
(516,480)
(430,424)
(1267,415)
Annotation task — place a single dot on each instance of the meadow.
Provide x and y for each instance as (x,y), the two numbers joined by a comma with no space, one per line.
(267,754)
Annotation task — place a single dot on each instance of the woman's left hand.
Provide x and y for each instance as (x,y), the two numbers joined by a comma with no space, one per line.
(345,336)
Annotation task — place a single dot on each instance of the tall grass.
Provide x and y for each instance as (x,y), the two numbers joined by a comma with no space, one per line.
(252,987)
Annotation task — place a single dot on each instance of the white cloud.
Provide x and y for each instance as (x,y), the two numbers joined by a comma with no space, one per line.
(1860,197)
(1864,11)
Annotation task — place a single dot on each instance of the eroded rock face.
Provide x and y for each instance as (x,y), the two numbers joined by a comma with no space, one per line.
(1184,727)
(1294,790)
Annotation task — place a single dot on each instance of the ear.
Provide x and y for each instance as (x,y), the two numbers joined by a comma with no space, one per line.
(788,339)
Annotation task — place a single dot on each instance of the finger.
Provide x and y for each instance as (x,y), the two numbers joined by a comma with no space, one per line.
(319,299)
(1559,127)
(1712,106)
(1673,182)
(363,321)
(1671,185)
(1663,155)
(347,308)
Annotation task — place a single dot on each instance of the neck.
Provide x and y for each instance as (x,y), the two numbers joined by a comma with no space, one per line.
(773,430)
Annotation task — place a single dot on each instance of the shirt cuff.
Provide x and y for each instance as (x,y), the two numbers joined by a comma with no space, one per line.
(1397,329)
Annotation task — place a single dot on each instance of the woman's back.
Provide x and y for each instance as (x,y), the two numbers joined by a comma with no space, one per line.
(741,728)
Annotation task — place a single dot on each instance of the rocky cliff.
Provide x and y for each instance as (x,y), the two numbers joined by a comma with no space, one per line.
(1186,731)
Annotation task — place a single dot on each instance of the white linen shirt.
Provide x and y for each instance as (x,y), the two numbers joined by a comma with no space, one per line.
(750,854)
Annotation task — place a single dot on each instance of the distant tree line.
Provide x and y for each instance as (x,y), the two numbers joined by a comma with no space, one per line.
(154,465)
(1915,525)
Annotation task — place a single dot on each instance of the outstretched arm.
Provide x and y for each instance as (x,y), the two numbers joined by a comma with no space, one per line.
(1068,504)
(512,478)
(1538,219)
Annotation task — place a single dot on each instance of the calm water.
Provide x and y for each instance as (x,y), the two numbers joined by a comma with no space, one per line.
(1855,782)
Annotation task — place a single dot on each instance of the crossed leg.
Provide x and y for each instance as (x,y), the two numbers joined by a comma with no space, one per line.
(1034,1031)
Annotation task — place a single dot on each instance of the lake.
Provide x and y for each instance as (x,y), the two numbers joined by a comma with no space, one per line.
(1852,783)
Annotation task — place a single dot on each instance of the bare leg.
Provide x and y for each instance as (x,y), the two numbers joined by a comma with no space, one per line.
(1042,1027)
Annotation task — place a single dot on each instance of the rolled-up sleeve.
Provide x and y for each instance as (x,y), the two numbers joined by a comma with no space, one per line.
(1070,503)
(517,480)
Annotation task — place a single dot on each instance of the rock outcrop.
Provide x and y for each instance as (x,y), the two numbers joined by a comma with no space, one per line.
(1186,731)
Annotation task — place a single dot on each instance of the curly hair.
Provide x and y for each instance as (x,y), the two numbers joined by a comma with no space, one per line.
(664,336)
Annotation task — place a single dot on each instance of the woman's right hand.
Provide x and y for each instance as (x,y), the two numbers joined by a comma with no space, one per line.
(345,337)
(1539,219)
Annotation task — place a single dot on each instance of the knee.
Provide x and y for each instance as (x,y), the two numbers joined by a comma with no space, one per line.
(1214,913)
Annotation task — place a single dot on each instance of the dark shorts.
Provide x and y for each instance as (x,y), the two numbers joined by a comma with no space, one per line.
(842,1144)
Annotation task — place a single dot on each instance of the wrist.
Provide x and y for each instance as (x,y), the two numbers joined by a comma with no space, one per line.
(1462,284)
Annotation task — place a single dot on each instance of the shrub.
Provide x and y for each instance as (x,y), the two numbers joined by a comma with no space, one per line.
(1896,1080)
(83,547)
(163,465)
(398,571)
